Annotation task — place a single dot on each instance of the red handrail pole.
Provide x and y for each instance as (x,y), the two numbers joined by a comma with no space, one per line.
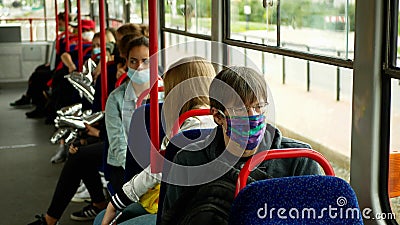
(280,154)
(104,91)
(184,116)
(156,165)
(31,29)
(80,45)
(57,28)
(66,13)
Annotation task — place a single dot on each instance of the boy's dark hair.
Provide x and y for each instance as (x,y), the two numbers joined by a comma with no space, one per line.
(141,41)
(240,81)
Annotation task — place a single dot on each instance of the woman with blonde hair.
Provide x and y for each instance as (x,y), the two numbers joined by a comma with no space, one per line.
(186,85)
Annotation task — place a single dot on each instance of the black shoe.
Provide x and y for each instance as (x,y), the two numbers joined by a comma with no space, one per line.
(87,213)
(35,114)
(40,220)
(23,101)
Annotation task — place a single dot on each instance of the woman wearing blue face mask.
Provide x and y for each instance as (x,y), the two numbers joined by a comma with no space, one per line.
(120,106)
(238,100)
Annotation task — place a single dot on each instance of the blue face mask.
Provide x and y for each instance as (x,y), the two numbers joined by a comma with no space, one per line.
(96,51)
(139,76)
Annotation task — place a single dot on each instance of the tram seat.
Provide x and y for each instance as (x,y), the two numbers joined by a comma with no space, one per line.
(176,143)
(138,156)
(312,199)
(138,143)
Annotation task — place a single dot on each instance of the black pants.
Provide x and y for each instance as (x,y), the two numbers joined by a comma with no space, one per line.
(37,84)
(82,165)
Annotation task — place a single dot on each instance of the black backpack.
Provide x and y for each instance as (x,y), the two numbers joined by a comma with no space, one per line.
(209,203)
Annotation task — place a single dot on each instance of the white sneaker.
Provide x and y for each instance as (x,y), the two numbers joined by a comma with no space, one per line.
(81,187)
(81,196)
(104,182)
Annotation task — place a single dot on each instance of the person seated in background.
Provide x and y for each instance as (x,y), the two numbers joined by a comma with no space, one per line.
(57,75)
(189,76)
(121,104)
(120,53)
(61,154)
(88,31)
(110,48)
(238,102)
(37,82)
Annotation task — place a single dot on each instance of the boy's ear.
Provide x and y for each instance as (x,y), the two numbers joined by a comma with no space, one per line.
(218,118)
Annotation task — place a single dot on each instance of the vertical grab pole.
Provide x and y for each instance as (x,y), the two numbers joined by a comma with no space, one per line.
(66,13)
(104,91)
(30,30)
(57,28)
(156,165)
(80,44)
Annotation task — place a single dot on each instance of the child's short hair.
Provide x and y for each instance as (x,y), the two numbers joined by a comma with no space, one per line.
(237,85)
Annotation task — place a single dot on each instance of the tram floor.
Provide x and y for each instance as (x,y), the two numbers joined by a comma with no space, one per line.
(27,177)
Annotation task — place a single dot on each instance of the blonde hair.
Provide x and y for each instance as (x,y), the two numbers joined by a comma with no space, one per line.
(110,36)
(189,76)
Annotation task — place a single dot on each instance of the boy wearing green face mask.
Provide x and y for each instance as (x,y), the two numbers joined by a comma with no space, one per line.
(238,100)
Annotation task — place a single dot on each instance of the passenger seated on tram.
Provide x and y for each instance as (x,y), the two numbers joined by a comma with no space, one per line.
(88,32)
(121,104)
(37,82)
(188,77)
(62,151)
(57,83)
(238,101)
(86,156)
(110,47)
(120,52)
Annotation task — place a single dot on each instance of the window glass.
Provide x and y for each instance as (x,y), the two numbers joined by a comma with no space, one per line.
(394,159)
(307,115)
(174,14)
(398,46)
(193,16)
(314,26)
(137,7)
(115,9)
(23,10)
(185,46)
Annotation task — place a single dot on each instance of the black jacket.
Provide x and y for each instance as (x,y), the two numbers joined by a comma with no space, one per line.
(213,162)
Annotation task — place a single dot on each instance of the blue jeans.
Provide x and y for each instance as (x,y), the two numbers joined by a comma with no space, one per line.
(148,219)
(133,210)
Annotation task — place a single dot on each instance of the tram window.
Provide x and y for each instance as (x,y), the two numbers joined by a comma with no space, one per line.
(183,46)
(138,8)
(313,116)
(394,162)
(395,116)
(317,26)
(115,10)
(194,17)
